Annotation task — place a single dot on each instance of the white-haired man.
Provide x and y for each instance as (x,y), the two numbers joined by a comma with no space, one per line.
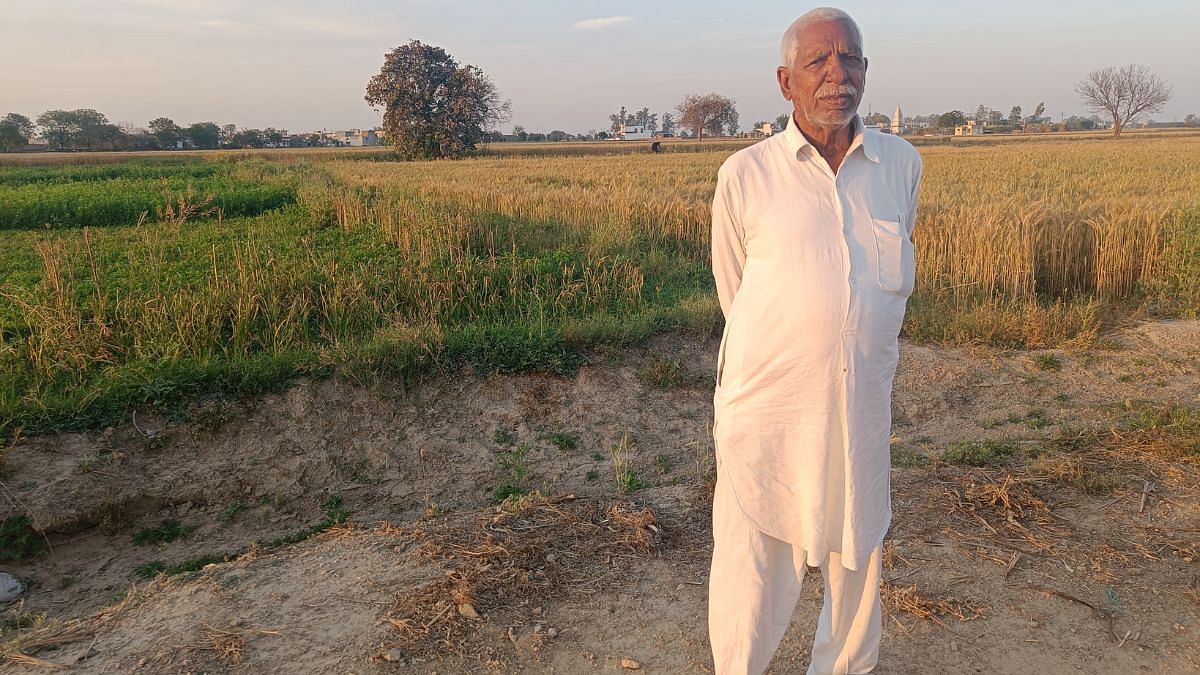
(814,265)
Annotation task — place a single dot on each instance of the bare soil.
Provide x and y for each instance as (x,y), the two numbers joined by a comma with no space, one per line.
(1077,556)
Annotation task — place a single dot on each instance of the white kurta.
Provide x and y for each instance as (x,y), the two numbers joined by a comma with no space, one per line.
(813,272)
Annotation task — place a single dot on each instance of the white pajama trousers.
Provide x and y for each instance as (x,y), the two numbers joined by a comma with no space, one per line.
(753,589)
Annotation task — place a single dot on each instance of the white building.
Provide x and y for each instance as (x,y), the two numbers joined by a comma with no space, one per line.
(634,132)
(898,126)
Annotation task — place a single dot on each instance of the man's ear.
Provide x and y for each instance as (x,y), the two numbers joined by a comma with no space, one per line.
(784,76)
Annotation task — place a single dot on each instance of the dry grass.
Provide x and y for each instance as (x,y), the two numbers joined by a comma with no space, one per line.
(537,548)
(908,600)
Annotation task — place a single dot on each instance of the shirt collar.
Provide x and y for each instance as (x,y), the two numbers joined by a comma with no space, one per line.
(796,140)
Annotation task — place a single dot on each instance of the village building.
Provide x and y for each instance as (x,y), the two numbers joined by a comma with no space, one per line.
(971,128)
(634,132)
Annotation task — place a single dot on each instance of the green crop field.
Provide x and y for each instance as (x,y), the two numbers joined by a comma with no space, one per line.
(159,280)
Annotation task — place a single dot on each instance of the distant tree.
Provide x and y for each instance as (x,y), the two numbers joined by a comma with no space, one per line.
(603,135)
(15,132)
(782,120)
(951,119)
(874,118)
(166,131)
(434,106)
(708,112)
(981,114)
(647,119)
(1191,120)
(1124,93)
(616,121)
(668,123)
(274,137)
(1077,123)
(94,128)
(58,128)
(1036,117)
(995,117)
(557,136)
(249,138)
(730,122)
(203,135)
(111,136)
(518,130)
(1014,116)
(228,131)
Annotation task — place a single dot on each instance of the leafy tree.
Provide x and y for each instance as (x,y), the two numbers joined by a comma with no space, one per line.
(981,114)
(557,135)
(995,117)
(228,131)
(1124,93)
(951,119)
(112,136)
(668,123)
(1014,116)
(204,135)
(646,119)
(782,120)
(94,127)
(518,130)
(1037,113)
(15,132)
(166,131)
(249,138)
(433,106)
(616,121)
(708,112)
(874,118)
(84,127)
(58,128)
(274,136)
(1191,120)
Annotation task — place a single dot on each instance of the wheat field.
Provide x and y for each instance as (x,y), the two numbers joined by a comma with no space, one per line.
(234,272)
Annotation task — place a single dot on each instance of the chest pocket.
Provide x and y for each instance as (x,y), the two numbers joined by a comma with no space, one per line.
(897,259)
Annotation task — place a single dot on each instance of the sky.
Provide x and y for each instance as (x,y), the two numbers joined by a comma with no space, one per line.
(565,64)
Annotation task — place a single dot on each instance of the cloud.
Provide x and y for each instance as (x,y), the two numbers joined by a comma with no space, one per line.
(598,24)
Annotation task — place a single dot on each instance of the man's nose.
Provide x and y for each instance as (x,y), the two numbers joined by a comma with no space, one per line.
(836,72)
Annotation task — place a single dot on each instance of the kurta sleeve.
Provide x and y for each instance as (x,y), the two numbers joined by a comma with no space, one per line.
(911,220)
(728,240)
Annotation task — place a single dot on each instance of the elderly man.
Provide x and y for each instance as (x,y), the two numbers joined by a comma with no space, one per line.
(814,265)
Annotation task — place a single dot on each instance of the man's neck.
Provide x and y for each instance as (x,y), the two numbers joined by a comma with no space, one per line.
(831,143)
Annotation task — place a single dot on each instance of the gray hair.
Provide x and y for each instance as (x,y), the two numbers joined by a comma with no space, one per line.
(791,38)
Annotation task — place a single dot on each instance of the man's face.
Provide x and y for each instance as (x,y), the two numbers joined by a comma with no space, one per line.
(826,77)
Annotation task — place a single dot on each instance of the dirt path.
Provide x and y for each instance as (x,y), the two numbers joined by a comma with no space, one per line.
(1076,551)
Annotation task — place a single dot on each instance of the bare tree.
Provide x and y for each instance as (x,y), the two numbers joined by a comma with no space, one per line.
(711,112)
(1124,93)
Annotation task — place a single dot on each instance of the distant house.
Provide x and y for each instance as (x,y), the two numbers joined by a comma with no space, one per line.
(971,128)
(766,129)
(634,132)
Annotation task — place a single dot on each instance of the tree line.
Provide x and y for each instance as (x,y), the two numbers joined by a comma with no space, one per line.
(88,129)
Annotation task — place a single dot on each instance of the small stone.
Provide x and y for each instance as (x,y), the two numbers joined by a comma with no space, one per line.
(537,628)
(550,557)
(393,655)
(630,664)
(468,610)
(537,611)
(11,587)
(552,632)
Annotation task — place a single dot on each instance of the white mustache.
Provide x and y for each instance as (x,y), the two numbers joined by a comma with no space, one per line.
(836,90)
